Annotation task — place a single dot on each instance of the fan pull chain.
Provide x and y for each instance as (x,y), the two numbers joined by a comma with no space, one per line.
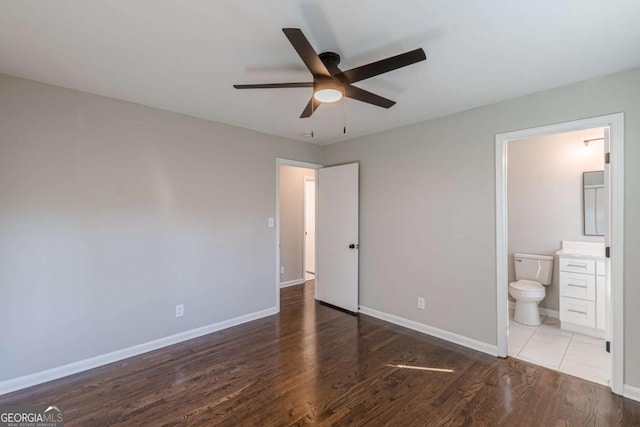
(344,112)
(313,119)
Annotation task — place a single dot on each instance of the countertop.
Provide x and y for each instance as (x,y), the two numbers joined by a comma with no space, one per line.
(581,253)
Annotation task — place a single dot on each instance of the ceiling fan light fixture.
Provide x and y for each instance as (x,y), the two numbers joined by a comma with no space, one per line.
(327,95)
(330,84)
(328,92)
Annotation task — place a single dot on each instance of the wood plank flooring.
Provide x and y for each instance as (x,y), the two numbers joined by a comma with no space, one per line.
(313,365)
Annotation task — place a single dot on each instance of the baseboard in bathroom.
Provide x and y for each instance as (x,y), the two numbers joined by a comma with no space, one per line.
(544,311)
(549,313)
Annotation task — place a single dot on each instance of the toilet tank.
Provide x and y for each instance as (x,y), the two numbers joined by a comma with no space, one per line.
(534,267)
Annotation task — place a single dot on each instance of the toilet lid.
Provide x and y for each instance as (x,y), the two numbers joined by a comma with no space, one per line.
(527,285)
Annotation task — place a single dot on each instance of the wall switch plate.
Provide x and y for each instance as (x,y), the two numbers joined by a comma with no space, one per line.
(270,222)
(179,310)
(282,269)
(421,303)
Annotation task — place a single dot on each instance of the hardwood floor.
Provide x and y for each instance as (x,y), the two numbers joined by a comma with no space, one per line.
(315,365)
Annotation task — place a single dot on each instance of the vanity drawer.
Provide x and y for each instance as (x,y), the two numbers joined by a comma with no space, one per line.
(578,312)
(576,285)
(578,265)
(600,268)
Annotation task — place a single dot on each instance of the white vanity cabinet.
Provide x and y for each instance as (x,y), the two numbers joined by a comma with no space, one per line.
(582,291)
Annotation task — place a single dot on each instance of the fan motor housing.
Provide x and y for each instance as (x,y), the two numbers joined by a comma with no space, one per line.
(331,61)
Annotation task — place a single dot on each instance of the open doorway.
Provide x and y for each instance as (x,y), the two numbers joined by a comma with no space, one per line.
(588,284)
(294,251)
(293,255)
(555,216)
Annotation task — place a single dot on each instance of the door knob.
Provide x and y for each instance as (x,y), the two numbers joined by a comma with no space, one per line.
(354,246)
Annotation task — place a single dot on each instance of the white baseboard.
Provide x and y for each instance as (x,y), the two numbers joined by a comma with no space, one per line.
(631,392)
(292,282)
(584,330)
(544,311)
(13,384)
(430,330)
(549,313)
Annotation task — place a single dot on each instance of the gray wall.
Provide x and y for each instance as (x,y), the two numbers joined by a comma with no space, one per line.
(292,221)
(112,213)
(428,207)
(544,187)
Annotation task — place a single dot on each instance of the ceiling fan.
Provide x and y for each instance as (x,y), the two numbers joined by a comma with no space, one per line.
(330,84)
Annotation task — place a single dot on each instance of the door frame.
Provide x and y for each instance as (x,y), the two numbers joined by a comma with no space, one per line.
(304,233)
(289,162)
(615,317)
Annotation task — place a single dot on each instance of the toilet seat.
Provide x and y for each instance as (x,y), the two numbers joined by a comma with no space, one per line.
(527,285)
(527,290)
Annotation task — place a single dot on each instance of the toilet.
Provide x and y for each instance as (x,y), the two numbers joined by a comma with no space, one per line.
(533,273)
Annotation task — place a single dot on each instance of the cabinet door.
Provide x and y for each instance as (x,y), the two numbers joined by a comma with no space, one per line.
(600,305)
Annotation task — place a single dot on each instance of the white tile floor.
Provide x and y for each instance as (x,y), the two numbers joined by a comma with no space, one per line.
(547,345)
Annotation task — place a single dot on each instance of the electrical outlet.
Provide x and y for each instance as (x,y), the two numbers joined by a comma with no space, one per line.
(179,310)
(421,303)
(282,269)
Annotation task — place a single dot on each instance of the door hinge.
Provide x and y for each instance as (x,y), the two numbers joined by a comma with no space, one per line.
(607,251)
(607,346)
(607,158)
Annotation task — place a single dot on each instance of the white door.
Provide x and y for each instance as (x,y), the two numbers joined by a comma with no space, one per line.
(310,225)
(607,261)
(337,278)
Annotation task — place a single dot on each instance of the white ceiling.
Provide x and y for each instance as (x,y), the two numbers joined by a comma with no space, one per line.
(184,56)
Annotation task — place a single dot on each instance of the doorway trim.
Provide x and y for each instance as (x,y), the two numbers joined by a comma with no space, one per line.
(615,122)
(304,231)
(288,162)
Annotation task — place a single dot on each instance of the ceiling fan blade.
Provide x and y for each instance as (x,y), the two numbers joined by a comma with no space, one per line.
(383,66)
(306,52)
(272,85)
(311,107)
(366,96)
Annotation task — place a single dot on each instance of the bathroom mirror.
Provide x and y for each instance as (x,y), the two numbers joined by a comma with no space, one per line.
(593,203)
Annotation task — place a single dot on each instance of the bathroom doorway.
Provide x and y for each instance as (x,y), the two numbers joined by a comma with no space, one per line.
(546,207)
